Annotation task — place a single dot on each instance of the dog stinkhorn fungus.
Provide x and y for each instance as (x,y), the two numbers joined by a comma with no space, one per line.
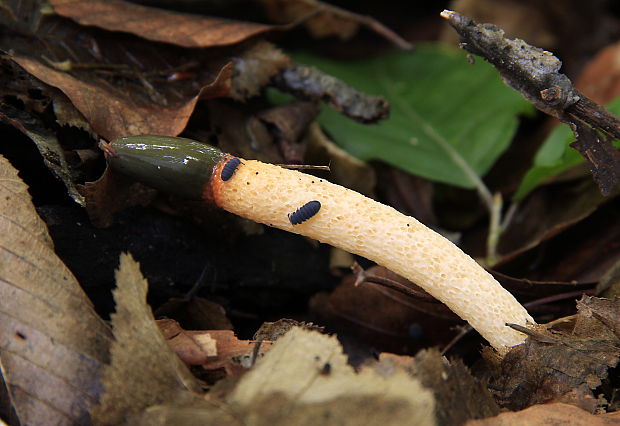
(329,213)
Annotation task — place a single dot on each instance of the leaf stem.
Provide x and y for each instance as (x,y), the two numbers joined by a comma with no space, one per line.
(493,203)
(495,229)
(431,133)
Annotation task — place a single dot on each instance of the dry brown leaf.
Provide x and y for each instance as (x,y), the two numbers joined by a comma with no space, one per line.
(305,380)
(112,193)
(603,158)
(345,169)
(52,343)
(239,132)
(195,313)
(609,285)
(602,312)
(555,208)
(161,25)
(325,20)
(113,113)
(459,395)
(600,79)
(144,370)
(409,194)
(288,123)
(46,142)
(384,317)
(549,414)
(192,349)
(274,330)
(66,114)
(213,349)
(563,365)
(306,368)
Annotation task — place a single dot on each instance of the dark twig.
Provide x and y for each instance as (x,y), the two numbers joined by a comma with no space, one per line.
(307,82)
(598,150)
(530,70)
(534,73)
(532,333)
(558,297)
(463,330)
(542,301)
(304,167)
(198,284)
(255,352)
(595,115)
(367,21)
(361,276)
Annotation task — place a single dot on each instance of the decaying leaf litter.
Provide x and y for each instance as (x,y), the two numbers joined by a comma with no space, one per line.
(72,83)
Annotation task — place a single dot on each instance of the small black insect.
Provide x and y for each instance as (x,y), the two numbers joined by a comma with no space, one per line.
(229,168)
(305,212)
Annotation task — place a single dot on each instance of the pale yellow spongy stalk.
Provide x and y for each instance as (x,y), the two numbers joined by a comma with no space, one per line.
(268,194)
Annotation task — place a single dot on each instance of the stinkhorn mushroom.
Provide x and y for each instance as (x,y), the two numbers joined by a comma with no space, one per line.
(310,206)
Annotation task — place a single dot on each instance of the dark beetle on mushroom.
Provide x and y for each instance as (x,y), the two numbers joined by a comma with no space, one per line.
(230,168)
(305,212)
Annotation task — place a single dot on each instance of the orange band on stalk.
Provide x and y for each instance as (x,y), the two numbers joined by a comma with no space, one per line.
(213,187)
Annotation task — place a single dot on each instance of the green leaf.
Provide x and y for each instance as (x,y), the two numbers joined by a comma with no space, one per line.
(554,157)
(449,120)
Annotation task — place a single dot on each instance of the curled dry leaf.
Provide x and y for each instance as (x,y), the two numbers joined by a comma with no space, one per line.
(192,349)
(144,370)
(112,193)
(549,414)
(46,142)
(547,212)
(52,343)
(114,113)
(213,349)
(67,114)
(324,20)
(240,132)
(287,124)
(155,24)
(27,116)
